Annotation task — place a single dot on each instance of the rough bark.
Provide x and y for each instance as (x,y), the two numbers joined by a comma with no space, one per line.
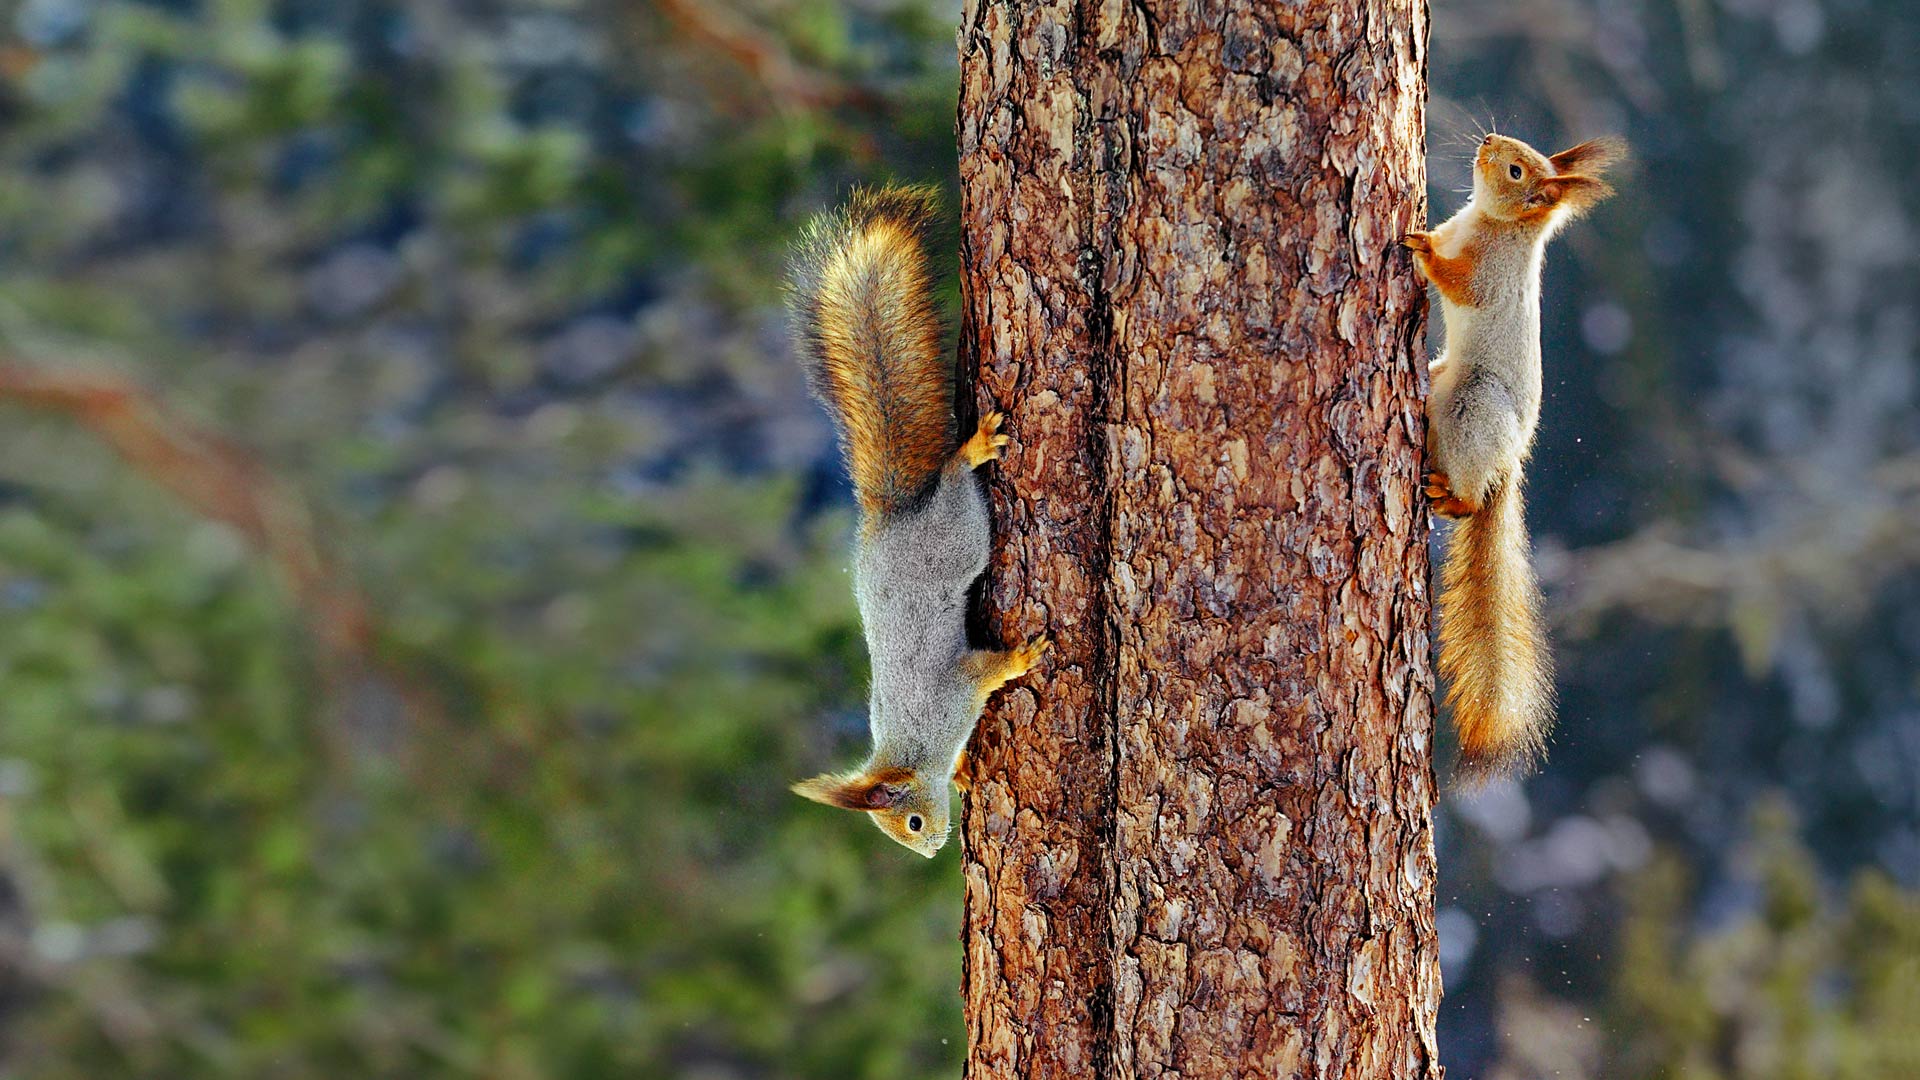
(1200,842)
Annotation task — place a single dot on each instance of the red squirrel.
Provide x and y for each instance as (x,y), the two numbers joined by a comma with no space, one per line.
(1485,264)
(861,297)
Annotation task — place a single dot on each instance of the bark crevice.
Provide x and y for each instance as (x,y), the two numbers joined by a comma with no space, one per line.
(1203,847)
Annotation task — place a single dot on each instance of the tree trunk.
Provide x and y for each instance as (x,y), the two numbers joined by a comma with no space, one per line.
(1200,841)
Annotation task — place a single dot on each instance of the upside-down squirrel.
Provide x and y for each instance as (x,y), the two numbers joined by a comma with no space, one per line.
(860,295)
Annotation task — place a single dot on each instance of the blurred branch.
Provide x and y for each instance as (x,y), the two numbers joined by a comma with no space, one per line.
(1832,557)
(222,482)
(788,84)
(1559,41)
(213,477)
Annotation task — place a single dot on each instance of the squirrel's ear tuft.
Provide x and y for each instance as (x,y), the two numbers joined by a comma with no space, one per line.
(880,789)
(1573,194)
(1591,157)
(835,789)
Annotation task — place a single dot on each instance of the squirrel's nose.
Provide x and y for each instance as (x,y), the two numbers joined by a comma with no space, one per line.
(1488,141)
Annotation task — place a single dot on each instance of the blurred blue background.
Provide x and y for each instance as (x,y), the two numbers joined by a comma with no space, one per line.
(421,568)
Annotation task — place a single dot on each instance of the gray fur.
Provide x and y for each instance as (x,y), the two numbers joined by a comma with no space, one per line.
(911,577)
(1487,379)
(869,331)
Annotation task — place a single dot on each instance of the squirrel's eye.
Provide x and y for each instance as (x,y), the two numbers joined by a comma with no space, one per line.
(1514,171)
(914,823)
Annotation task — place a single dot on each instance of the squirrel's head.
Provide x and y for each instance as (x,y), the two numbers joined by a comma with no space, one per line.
(909,805)
(1514,182)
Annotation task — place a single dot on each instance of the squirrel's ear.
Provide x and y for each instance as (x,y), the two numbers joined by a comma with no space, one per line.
(1592,156)
(880,789)
(847,791)
(1576,194)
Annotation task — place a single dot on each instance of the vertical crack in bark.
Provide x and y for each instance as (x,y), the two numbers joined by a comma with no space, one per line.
(1200,845)
(1109,409)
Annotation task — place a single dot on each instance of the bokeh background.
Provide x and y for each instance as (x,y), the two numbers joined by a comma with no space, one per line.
(421,568)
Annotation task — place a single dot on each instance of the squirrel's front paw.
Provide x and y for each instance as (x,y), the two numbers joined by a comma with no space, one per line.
(1417,241)
(986,443)
(963,771)
(993,669)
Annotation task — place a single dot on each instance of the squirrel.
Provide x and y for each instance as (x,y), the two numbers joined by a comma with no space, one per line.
(866,325)
(1485,403)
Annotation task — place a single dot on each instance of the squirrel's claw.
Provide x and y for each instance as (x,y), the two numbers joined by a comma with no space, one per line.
(994,669)
(986,443)
(1417,241)
(1026,656)
(1445,502)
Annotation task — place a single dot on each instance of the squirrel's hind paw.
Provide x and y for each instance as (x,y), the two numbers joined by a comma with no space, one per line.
(1445,502)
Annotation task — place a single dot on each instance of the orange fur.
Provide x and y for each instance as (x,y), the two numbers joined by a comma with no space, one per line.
(875,790)
(862,290)
(1593,156)
(992,670)
(1445,502)
(1573,195)
(1453,277)
(985,444)
(1493,640)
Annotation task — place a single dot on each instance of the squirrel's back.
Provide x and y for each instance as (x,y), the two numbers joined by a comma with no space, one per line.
(862,298)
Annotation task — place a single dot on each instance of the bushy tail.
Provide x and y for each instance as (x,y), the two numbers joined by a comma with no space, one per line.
(861,297)
(1493,641)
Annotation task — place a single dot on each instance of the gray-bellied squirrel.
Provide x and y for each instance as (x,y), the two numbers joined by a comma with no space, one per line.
(860,295)
(1485,403)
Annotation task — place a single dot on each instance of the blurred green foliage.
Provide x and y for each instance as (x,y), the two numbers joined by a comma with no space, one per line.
(495,286)
(1802,985)
(543,829)
(587,872)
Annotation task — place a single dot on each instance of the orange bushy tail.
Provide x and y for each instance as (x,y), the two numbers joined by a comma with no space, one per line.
(1493,640)
(861,294)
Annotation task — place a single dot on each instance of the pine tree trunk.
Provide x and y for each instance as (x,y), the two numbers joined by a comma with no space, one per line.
(1200,842)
